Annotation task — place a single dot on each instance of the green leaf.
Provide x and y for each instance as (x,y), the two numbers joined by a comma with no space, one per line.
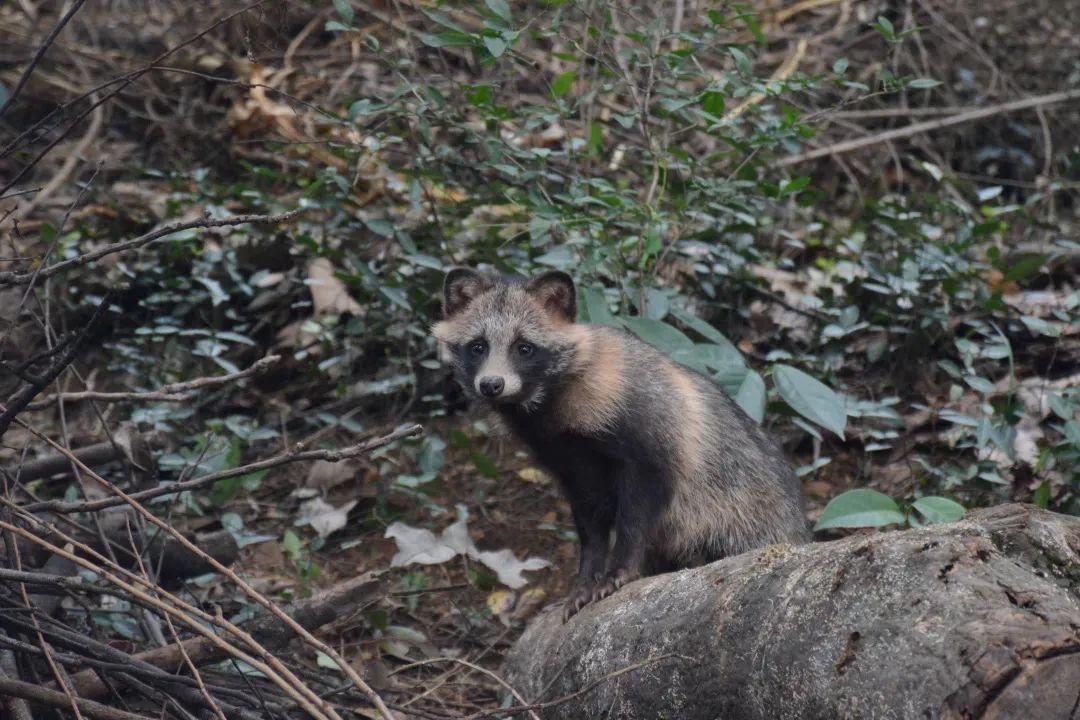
(751,396)
(924,83)
(810,398)
(325,661)
(860,508)
(380,226)
(217,294)
(596,138)
(501,9)
(562,84)
(659,334)
(717,357)
(1071,431)
(713,103)
(290,543)
(594,309)
(885,27)
(793,186)
(840,66)
(742,63)
(706,330)
(1041,496)
(364,106)
(479,95)
(562,258)
(1062,407)
(752,25)
(980,384)
(444,21)
(344,9)
(484,464)
(938,509)
(1038,326)
(495,45)
(1025,268)
(396,296)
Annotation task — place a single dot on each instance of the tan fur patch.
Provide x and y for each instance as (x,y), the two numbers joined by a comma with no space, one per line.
(592,400)
(449,331)
(693,418)
(705,515)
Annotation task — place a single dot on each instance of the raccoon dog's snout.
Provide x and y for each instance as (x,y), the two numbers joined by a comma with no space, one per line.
(492,386)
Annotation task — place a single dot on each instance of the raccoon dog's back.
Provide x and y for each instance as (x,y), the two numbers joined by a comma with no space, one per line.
(732,490)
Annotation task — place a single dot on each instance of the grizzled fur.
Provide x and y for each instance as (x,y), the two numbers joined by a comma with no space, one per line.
(645,449)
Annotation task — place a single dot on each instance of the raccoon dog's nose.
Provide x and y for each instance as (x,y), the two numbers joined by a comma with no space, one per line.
(492,386)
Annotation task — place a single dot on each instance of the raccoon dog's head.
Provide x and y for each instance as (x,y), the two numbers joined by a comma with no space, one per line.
(509,341)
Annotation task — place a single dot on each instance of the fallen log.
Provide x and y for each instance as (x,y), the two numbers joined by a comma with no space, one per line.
(975,619)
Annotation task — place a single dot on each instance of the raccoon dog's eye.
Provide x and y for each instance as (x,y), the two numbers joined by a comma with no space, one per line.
(525,349)
(478,347)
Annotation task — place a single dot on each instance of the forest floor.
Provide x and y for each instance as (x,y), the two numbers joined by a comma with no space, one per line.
(240,124)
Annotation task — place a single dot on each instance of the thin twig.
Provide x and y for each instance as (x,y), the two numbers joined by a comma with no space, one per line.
(40,54)
(578,693)
(18,402)
(173,392)
(248,590)
(183,611)
(485,671)
(14,278)
(39,694)
(46,651)
(297,454)
(123,81)
(929,125)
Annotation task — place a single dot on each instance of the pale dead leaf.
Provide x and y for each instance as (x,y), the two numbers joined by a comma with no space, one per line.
(418,545)
(325,475)
(328,293)
(500,603)
(533,475)
(323,517)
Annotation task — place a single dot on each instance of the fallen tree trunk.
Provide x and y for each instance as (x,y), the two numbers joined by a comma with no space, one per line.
(979,618)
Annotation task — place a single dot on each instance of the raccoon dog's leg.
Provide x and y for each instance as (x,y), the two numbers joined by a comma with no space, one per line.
(640,500)
(594,514)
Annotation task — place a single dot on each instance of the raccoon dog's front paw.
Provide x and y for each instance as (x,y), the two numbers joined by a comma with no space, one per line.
(612,582)
(595,590)
(578,598)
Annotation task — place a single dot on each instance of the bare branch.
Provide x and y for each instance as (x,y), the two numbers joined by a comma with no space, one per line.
(40,54)
(15,278)
(39,694)
(22,398)
(308,638)
(297,454)
(929,125)
(173,392)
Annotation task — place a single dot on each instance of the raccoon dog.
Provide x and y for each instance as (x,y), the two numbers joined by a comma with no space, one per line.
(645,449)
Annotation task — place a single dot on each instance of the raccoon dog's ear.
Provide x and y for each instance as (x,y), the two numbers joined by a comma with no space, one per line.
(555,291)
(461,287)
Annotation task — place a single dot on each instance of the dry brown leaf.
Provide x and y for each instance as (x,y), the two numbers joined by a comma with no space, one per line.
(328,293)
(324,475)
(530,601)
(533,475)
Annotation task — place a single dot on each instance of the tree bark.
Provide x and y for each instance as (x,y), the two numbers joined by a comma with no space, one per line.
(975,619)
